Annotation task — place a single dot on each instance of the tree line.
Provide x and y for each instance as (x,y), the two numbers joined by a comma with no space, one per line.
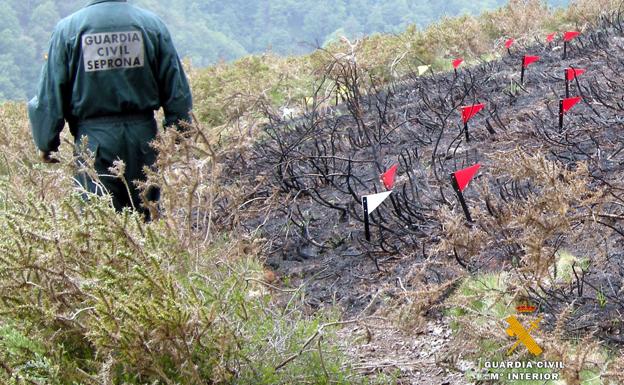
(210,31)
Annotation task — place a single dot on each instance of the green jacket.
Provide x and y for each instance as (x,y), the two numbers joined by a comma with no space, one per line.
(108,59)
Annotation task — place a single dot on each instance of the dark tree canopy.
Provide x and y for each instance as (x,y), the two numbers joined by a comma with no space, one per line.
(208,31)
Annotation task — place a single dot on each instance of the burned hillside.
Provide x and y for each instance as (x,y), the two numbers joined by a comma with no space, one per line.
(542,191)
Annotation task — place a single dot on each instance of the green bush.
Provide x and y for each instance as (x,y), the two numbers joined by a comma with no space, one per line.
(88,294)
(91,296)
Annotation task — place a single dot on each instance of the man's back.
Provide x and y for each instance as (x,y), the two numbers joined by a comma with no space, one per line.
(110,65)
(107,59)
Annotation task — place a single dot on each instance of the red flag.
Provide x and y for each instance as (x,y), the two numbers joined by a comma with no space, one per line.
(571,35)
(388,177)
(463,177)
(572,73)
(509,43)
(551,37)
(570,102)
(457,62)
(468,112)
(528,60)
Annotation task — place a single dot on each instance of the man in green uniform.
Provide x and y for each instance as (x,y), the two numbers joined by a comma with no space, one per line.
(109,67)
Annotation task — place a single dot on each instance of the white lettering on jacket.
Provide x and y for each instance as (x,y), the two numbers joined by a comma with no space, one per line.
(112,50)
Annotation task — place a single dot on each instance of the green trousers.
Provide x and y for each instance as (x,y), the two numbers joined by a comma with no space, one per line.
(124,138)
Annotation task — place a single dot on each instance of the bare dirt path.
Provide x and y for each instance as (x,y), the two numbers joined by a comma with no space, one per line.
(414,358)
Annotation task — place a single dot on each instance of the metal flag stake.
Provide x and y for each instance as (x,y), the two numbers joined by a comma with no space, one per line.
(468,112)
(571,74)
(526,62)
(370,204)
(456,63)
(508,45)
(564,106)
(567,37)
(460,180)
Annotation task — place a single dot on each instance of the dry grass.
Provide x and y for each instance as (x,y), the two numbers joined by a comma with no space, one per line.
(91,296)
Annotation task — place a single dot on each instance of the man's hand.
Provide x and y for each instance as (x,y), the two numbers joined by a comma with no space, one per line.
(47,158)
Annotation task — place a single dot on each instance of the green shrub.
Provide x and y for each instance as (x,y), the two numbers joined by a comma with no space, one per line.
(91,296)
(102,295)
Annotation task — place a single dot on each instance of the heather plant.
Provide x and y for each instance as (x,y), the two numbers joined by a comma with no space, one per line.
(519,18)
(537,209)
(97,297)
(91,296)
(581,13)
(228,94)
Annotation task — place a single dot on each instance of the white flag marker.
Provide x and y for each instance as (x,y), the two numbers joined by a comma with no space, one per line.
(423,69)
(375,200)
(369,204)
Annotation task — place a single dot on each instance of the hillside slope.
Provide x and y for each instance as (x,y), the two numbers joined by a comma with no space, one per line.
(546,204)
(257,270)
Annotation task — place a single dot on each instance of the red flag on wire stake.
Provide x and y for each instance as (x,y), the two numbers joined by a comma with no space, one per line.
(460,180)
(468,112)
(463,177)
(509,43)
(572,73)
(388,177)
(564,106)
(528,60)
(551,37)
(569,103)
(457,63)
(570,35)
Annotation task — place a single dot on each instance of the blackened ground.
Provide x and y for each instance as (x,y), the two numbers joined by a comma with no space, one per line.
(305,178)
